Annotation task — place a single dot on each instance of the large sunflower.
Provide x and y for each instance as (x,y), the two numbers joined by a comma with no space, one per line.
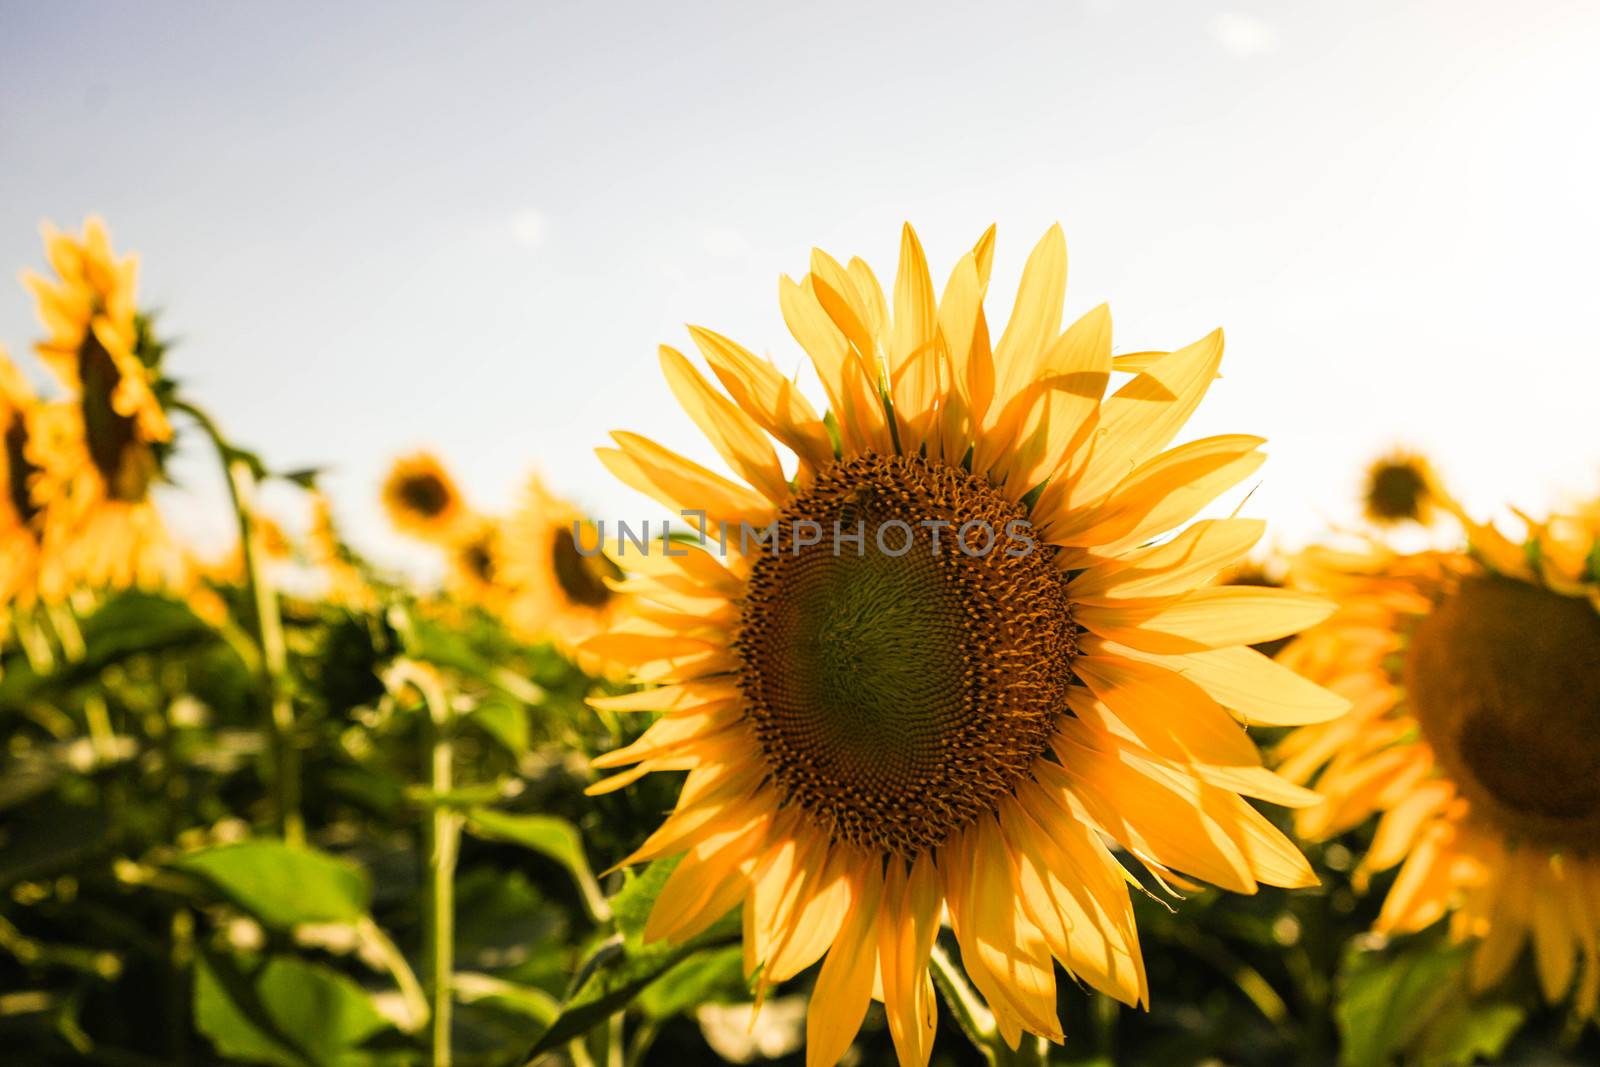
(19,513)
(564,590)
(907,729)
(101,451)
(1475,681)
(423,500)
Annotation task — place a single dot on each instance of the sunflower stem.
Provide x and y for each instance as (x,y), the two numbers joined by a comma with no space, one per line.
(35,646)
(974,1018)
(443,841)
(241,479)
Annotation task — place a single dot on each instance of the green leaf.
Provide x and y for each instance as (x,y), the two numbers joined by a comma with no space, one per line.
(1467,1033)
(1387,997)
(304,477)
(124,626)
(623,968)
(711,977)
(426,640)
(505,720)
(285,1011)
(282,885)
(549,835)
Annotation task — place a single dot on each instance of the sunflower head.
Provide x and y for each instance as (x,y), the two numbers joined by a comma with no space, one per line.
(557,562)
(476,565)
(20,513)
(1399,488)
(17,470)
(106,354)
(932,655)
(422,499)
(1476,682)
(102,450)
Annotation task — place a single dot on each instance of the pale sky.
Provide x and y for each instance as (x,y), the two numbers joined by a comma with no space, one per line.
(467,227)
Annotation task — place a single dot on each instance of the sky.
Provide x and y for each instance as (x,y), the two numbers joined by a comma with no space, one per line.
(379,227)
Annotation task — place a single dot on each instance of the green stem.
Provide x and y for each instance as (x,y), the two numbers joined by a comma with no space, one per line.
(443,840)
(395,962)
(972,1015)
(35,646)
(65,624)
(977,1021)
(614,1048)
(269,631)
(644,1035)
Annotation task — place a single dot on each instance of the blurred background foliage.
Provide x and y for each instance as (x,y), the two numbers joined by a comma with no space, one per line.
(160,907)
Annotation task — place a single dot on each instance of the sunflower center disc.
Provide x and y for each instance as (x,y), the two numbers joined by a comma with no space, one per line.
(1504,677)
(19,471)
(901,683)
(425,495)
(1396,491)
(110,435)
(581,578)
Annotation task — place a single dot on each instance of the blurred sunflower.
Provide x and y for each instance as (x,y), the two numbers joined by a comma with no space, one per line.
(102,451)
(874,740)
(422,499)
(1475,680)
(563,590)
(19,514)
(327,551)
(475,565)
(1398,489)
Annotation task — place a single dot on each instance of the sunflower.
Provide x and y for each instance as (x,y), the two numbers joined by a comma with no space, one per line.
(922,722)
(423,500)
(475,565)
(100,452)
(1475,679)
(563,579)
(327,552)
(1398,488)
(19,514)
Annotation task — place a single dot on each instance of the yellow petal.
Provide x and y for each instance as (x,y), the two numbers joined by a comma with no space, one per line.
(734,434)
(906,933)
(1210,617)
(1190,559)
(1256,689)
(1144,415)
(844,986)
(1056,408)
(913,355)
(1152,499)
(1169,714)
(682,698)
(1035,317)
(809,309)
(772,400)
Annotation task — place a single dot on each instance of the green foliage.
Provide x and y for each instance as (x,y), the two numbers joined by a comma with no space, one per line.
(1410,1003)
(625,965)
(282,885)
(284,1011)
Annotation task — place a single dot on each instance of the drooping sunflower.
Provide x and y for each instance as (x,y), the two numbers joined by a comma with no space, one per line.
(564,589)
(102,450)
(1475,682)
(1398,488)
(422,499)
(893,729)
(20,517)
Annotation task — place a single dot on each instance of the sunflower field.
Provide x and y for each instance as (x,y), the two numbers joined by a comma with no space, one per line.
(943,725)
